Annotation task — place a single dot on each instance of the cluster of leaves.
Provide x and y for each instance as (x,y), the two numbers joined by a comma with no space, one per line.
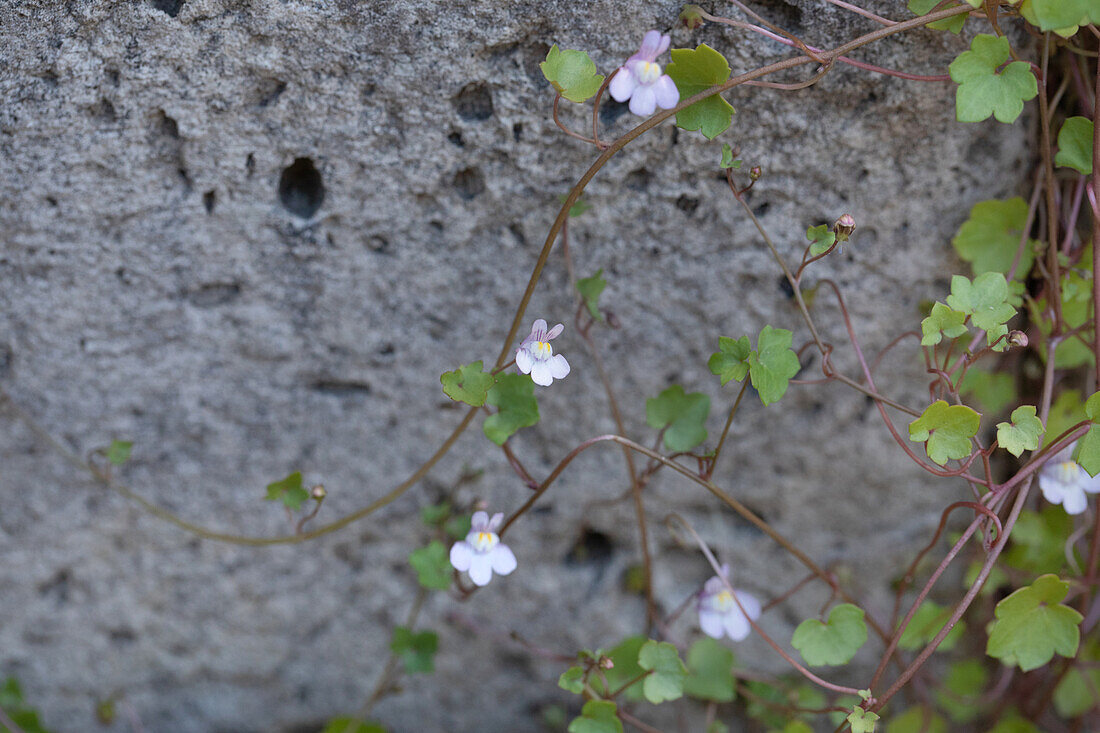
(512,394)
(770,366)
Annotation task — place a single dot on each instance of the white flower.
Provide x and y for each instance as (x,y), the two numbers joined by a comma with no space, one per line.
(718,612)
(536,357)
(640,79)
(1064,482)
(482,553)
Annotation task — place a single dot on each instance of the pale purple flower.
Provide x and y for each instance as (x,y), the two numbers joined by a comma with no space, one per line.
(719,614)
(536,357)
(482,553)
(1064,482)
(640,79)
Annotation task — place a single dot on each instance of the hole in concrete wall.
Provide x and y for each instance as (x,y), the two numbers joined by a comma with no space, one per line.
(592,546)
(785,287)
(474,102)
(378,244)
(300,188)
(517,131)
(787,16)
(103,110)
(687,204)
(611,110)
(469,183)
(341,387)
(268,91)
(250,164)
(209,295)
(455,139)
(761,209)
(170,7)
(209,200)
(5,359)
(112,77)
(165,125)
(638,180)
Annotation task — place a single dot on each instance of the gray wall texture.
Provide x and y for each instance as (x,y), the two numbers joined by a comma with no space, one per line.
(157,285)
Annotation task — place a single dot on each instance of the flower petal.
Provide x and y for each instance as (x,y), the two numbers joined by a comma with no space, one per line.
(1053,490)
(1075,501)
(711,623)
(1090,484)
(643,101)
(495,521)
(713,586)
(541,374)
(479,522)
(461,555)
(736,625)
(538,327)
(524,360)
(559,367)
(651,45)
(622,85)
(554,332)
(481,569)
(668,96)
(504,562)
(749,603)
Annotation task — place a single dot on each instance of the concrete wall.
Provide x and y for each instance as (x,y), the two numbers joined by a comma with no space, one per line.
(156,285)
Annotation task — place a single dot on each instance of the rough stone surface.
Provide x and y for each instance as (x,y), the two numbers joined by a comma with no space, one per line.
(250,236)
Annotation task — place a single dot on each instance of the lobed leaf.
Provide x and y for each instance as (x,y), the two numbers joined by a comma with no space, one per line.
(694,71)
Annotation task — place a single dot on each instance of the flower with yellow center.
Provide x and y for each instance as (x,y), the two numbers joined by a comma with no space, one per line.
(482,553)
(1064,482)
(721,614)
(640,79)
(536,357)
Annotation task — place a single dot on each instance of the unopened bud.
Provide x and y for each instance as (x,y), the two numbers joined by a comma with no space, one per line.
(318,492)
(691,16)
(606,663)
(1017,338)
(755,172)
(843,227)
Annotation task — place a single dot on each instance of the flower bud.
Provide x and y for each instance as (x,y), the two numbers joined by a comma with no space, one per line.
(843,227)
(692,17)
(755,172)
(318,492)
(606,663)
(1017,338)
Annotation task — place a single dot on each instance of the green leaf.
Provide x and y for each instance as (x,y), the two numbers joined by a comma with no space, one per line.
(435,514)
(925,624)
(590,289)
(289,491)
(1088,451)
(986,301)
(917,719)
(953,24)
(432,566)
(947,429)
(597,716)
(962,688)
(773,364)
(795,726)
(727,158)
(834,642)
(862,721)
(982,90)
(119,452)
(577,208)
(572,73)
(1037,542)
(624,656)
(1023,432)
(942,321)
(1056,15)
(24,716)
(710,675)
(1068,410)
(694,71)
(667,673)
(514,397)
(1075,145)
(1032,626)
(990,238)
(994,391)
(415,649)
(822,237)
(731,361)
(682,417)
(572,680)
(352,725)
(1077,694)
(467,384)
(717,726)
(457,526)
